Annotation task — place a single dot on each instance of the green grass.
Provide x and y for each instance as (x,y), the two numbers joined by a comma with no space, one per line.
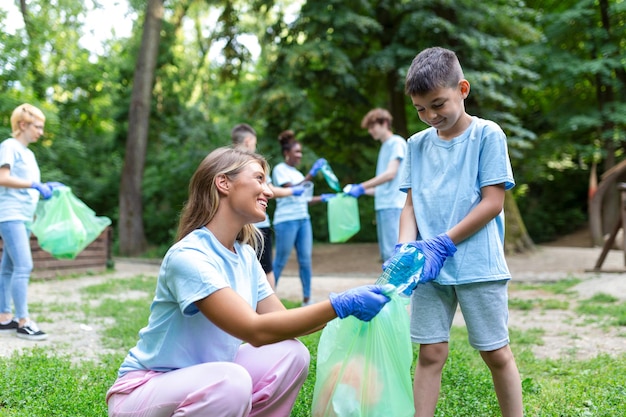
(39,383)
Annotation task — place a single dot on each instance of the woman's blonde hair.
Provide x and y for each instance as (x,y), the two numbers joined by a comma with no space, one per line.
(24,113)
(204,197)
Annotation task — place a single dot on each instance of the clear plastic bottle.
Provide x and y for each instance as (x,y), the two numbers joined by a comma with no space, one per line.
(330,177)
(404,270)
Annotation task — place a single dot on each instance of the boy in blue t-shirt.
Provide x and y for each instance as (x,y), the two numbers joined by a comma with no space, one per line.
(455,178)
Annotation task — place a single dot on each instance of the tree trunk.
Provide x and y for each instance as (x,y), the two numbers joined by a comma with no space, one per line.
(131,230)
(516,238)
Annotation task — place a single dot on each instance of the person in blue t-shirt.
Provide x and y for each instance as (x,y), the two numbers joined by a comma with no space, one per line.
(218,341)
(292,222)
(20,189)
(455,177)
(384,186)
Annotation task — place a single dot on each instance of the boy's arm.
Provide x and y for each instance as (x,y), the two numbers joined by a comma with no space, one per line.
(408,224)
(491,204)
(389,174)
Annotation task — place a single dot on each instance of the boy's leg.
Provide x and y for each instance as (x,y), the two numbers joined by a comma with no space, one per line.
(485,310)
(432,310)
(427,381)
(506,380)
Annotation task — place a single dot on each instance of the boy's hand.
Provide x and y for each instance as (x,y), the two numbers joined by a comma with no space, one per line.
(436,251)
(354,190)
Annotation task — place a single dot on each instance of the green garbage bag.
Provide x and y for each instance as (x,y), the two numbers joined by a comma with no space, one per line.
(64,225)
(343,218)
(364,368)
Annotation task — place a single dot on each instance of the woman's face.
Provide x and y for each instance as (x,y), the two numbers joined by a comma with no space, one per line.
(294,155)
(250,193)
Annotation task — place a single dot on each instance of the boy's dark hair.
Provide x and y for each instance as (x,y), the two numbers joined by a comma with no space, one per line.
(431,69)
(240,132)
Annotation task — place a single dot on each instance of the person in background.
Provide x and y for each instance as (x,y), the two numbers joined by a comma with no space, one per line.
(456,175)
(388,199)
(218,341)
(244,136)
(20,189)
(292,222)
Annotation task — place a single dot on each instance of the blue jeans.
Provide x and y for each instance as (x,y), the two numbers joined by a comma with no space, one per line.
(15,267)
(388,230)
(298,233)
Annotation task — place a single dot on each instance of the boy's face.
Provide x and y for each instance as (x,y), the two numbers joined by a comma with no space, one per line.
(444,109)
(378,131)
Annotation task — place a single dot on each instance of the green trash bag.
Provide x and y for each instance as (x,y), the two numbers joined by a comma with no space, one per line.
(64,225)
(343,218)
(364,368)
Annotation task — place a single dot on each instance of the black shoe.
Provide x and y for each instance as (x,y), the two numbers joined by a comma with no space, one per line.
(30,331)
(10,326)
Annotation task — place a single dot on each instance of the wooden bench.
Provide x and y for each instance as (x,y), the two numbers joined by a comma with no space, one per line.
(94,258)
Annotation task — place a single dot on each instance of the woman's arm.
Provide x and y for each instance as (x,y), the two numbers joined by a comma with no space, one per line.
(271,322)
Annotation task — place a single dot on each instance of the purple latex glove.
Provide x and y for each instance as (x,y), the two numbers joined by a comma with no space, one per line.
(354,190)
(435,250)
(44,189)
(297,190)
(361,302)
(326,197)
(317,166)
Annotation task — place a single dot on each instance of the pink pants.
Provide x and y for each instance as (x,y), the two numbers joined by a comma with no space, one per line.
(261,382)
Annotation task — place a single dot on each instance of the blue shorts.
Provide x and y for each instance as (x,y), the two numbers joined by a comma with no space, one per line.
(484,306)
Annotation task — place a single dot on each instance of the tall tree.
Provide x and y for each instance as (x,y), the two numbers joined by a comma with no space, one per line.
(131,227)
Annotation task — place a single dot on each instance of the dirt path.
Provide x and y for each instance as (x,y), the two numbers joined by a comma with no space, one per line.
(338,267)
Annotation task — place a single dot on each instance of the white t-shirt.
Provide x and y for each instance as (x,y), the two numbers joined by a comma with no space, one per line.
(292,207)
(18,204)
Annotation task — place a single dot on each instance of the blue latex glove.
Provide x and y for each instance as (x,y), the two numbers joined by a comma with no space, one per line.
(326,197)
(361,302)
(354,190)
(44,189)
(297,190)
(435,250)
(317,166)
(54,185)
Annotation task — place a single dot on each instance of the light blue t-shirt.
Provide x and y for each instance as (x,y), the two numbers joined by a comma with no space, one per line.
(178,335)
(445,178)
(292,207)
(388,195)
(18,204)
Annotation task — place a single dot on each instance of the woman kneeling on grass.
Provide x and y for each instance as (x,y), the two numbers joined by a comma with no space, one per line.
(218,341)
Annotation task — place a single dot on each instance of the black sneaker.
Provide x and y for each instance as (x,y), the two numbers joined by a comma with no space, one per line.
(11,326)
(30,331)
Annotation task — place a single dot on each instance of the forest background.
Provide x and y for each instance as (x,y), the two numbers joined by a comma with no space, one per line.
(127,125)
